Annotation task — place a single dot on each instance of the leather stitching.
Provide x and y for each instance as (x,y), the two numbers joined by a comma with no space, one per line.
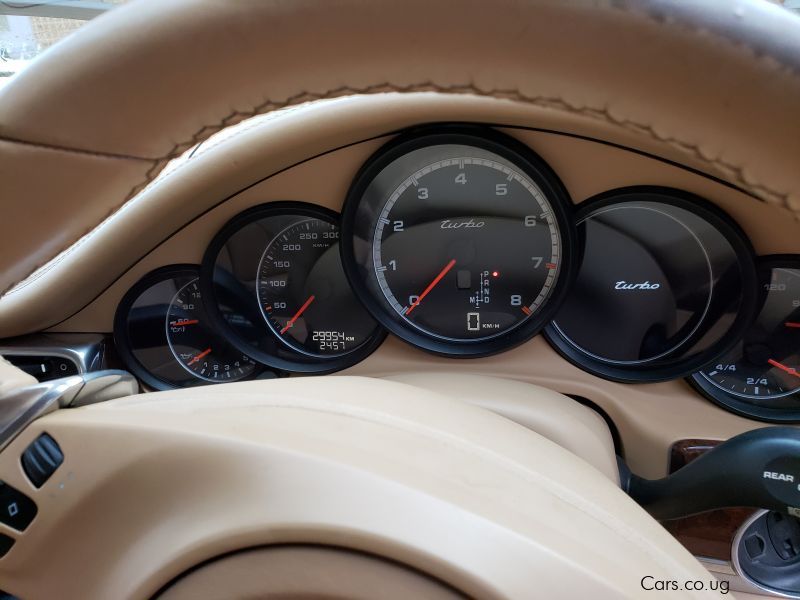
(604,114)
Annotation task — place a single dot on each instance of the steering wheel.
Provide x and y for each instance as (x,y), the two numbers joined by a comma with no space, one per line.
(370,488)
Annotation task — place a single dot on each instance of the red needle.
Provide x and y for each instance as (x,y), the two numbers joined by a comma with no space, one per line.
(790,324)
(185,322)
(200,356)
(431,286)
(789,370)
(297,314)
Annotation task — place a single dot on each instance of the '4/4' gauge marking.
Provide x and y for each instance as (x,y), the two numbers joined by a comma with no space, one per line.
(766,363)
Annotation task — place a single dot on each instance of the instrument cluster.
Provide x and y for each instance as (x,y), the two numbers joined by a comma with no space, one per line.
(463,242)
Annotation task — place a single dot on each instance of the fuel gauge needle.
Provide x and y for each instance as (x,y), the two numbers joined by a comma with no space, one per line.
(200,356)
(432,285)
(296,316)
(783,367)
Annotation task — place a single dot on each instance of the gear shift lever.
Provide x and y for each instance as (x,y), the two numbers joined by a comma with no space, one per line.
(759,469)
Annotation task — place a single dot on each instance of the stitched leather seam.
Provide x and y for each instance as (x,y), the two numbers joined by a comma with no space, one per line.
(556,103)
(736,173)
(70,150)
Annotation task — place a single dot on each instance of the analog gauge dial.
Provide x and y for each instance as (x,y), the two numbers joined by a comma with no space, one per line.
(303,295)
(765,365)
(195,347)
(459,241)
(667,283)
(280,293)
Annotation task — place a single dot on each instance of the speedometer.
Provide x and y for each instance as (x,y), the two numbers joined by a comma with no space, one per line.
(458,240)
(298,292)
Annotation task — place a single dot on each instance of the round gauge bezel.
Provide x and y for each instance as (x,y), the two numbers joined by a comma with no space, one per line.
(279,355)
(739,404)
(666,368)
(526,161)
(122,340)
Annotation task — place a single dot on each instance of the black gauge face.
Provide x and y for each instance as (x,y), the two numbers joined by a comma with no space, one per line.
(162,332)
(458,241)
(196,348)
(303,295)
(280,292)
(665,283)
(763,370)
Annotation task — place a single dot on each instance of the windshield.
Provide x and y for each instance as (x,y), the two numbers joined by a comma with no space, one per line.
(28,28)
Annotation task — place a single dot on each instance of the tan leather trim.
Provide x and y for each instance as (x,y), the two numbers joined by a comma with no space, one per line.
(154,485)
(12,378)
(564,422)
(181,212)
(80,98)
(306,572)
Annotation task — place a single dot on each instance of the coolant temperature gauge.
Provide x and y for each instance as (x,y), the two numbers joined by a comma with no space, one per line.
(197,349)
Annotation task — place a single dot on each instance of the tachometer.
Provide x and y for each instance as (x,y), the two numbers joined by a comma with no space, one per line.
(458,240)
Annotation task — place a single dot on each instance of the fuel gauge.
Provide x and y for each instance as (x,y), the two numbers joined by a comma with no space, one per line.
(762,372)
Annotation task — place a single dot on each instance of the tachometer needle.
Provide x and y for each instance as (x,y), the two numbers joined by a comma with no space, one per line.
(790,324)
(200,356)
(185,322)
(432,285)
(296,316)
(782,367)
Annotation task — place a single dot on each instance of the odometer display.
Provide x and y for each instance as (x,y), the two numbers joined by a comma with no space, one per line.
(458,242)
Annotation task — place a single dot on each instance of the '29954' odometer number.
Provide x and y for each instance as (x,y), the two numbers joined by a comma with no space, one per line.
(303,294)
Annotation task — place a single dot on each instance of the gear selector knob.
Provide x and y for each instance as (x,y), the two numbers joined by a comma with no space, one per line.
(759,469)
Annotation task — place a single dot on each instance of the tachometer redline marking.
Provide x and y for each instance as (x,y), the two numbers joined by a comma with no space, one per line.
(297,314)
(200,356)
(782,367)
(432,285)
(527,310)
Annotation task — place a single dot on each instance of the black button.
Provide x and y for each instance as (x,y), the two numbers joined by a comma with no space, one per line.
(5,544)
(16,509)
(754,546)
(41,459)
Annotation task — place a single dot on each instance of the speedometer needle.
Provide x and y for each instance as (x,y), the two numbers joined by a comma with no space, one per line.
(200,356)
(790,324)
(783,367)
(431,286)
(296,316)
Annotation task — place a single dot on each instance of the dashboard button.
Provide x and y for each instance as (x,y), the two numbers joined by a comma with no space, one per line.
(41,459)
(16,509)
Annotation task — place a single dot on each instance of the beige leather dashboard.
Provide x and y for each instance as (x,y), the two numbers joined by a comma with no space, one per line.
(197,198)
